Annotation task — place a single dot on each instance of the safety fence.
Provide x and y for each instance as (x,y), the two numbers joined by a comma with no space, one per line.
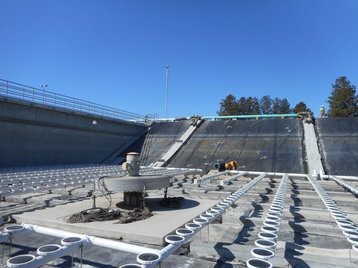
(15,91)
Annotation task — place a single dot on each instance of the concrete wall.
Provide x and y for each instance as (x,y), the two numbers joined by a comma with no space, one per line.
(338,140)
(32,135)
(262,145)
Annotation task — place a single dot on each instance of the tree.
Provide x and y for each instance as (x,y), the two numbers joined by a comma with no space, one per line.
(343,99)
(228,106)
(280,106)
(284,107)
(302,107)
(276,103)
(266,105)
(252,106)
(241,106)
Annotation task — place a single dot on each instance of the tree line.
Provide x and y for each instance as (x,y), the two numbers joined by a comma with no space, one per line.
(343,102)
(252,105)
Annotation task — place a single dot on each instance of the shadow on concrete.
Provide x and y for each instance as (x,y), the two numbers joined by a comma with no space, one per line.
(225,255)
(154,205)
(298,217)
(245,233)
(291,251)
(297,201)
(268,191)
(257,213)
(68,261)
(264,198)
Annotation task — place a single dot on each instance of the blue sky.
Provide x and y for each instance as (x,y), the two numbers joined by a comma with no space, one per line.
(114,52)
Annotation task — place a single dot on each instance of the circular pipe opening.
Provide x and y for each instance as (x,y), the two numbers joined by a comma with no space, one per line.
(268,229)
(351,233)
(147,258)
(216,209)
(339,217)
(13,228)
(274,214)
(257,263)
(200,221)
(271,223)
(46,249)
(348,228)
(355,247)
(353,240)
(223,206)
(174,239)
(70,240)
(267,236)
(277,204)
(275,210)
(206,216)
(20,259)
(184,232)
(264,243)
(212,212)
(273,218)
(192,226)
(262,253)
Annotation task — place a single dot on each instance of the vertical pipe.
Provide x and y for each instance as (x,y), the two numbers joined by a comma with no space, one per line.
(166,90)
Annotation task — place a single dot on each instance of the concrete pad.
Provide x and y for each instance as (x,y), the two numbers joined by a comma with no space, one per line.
(151,230)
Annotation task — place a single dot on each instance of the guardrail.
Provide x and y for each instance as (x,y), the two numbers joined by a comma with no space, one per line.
(15,91)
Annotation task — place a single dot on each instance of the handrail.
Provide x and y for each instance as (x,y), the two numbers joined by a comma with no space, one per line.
(18,91)
(249,116)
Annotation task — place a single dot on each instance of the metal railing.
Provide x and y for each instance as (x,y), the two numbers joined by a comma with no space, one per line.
(15,91)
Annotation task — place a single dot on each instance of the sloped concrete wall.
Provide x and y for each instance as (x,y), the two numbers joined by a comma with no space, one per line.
(33,135)
(338,139)
(274,145)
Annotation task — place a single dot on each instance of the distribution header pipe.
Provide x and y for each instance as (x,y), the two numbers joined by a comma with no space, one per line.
(46,255)
(93,240)
(205,178)
(234,177)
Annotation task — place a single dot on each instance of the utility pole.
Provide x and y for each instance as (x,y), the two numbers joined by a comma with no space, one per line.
(166,91)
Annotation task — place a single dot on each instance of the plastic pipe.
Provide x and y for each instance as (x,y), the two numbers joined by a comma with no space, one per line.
(46,256)
(234,177)
(102,242)
(206,178)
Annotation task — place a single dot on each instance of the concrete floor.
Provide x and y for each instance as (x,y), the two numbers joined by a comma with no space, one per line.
(308,236)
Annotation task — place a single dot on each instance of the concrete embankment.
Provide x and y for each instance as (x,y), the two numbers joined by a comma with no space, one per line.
(33,135)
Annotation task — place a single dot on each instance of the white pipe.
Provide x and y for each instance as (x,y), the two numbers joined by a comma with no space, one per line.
(41,260)
(205,178)
(346,185)
(228,180)
(107,243)
(4,237)
(354,178)
(277,174)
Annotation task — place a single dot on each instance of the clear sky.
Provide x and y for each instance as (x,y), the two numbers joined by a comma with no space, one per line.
(114,52)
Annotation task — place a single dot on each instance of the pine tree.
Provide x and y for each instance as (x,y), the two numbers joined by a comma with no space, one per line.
(228,106)
(343,99)
(302,107)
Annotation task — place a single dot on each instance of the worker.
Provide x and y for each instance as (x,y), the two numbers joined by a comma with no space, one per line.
(322,111)
(232,165)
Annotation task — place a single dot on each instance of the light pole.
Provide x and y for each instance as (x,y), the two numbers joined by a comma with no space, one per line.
(166,91)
